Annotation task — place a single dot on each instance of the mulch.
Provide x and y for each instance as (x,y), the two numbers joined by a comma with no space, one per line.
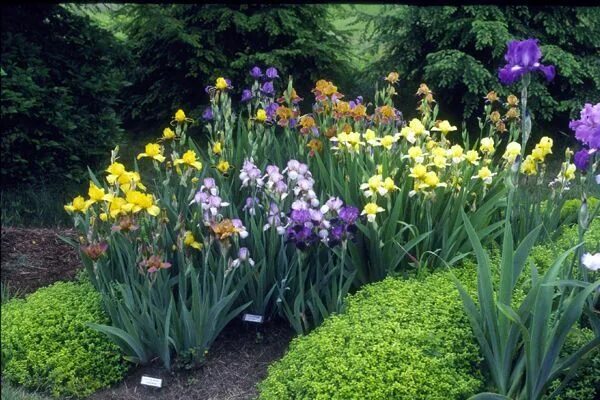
(237,361)
(33,258)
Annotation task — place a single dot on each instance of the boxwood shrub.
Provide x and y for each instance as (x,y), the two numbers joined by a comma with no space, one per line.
(410,339)
(399,339)
(47,346)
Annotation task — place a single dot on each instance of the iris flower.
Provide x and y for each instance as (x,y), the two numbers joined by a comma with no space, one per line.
(523,57)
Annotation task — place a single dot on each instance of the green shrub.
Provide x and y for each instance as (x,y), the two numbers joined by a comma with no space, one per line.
(586,382)
(59,97)
(571,207)
(457,50)
(46,344)
(399,339)
(409,339)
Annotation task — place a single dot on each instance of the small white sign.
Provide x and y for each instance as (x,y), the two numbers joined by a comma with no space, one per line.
(253,318)
(148,381)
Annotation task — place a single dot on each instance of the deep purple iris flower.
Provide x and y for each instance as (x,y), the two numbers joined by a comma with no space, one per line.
(272,73)
(523,57)
(267,88)
(582,159)
(207,114)
(255,73)
(587,128)
(302,236)
(246,95)
(349,214)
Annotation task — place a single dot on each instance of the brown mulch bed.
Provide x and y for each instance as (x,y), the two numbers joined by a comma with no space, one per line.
(238,360)
(32,258)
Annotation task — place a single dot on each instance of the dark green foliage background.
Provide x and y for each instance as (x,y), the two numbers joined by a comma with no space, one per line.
(72,84)
(60,94)
(179,49)
(458,51)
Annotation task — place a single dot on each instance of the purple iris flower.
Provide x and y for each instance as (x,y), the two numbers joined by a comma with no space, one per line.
(300,217)
(255,73)
(272,73)
(348,214)
(523,57)
(207,114)
(582,159)
(271,110)
(246,95)
(267,88)
(587,128)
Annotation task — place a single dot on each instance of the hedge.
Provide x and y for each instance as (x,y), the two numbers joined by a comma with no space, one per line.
(410,339)
(46,344)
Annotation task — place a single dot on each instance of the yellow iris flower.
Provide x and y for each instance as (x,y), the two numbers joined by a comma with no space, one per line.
(180,116)
(154,151)
(138,201)
(371,210)
(529,166)
(444,127)
(77,205)
(487,145)
(223,166)
(189,158)
(168,134)
(217,148)
(115,170)
(261,115)
(189,240)
(513,149)
(221,83)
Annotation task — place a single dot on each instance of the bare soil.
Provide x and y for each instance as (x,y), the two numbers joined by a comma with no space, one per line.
(238,360)
(33,258)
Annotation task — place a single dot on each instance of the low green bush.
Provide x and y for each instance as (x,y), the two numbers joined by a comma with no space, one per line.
(585,385)
(410,339)
(399,339)
(46,344)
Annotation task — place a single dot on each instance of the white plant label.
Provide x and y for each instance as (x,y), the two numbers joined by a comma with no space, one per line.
(149,381)
(253,318)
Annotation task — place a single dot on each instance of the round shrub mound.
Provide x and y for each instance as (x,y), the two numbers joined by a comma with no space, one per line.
(399,339)
(46,344)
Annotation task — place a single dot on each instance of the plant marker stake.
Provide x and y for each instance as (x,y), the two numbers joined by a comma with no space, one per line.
(149,381)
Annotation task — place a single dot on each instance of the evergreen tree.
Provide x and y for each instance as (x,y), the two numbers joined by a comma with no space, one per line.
(458,51)
(181,48)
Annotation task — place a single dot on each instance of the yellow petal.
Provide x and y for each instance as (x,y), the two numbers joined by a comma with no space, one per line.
(153,210)
(141,155)
(159,158)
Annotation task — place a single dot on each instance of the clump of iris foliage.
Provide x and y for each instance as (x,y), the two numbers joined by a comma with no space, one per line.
(284,213)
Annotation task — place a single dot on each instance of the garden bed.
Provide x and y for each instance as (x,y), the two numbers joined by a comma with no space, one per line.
(33,258)
(235,364)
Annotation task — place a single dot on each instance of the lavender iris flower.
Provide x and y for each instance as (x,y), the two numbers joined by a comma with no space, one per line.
(246,95)
(255,73)
(587,128)
(523,57)
(267,88)
(272,73)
